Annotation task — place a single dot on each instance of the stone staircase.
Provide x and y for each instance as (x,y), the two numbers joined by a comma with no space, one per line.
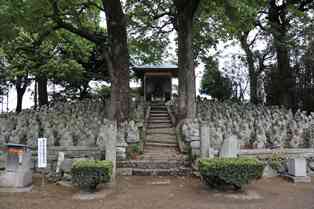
(161,156)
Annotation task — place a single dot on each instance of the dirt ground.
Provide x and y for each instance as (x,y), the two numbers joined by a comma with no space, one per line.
(167,192)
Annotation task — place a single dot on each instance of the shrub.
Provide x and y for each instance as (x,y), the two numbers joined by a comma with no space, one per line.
(87,174)
(277,161)
(134,150)
(236,172)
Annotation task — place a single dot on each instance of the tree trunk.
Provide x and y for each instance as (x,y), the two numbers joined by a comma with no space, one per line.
(187,91)
(19,100)
(118,60)
(279,24)
(35,95)
(251,68)
(42,90)
(20,86)
(114,49)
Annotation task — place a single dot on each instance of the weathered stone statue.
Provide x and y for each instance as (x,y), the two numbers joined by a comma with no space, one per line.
(261,93)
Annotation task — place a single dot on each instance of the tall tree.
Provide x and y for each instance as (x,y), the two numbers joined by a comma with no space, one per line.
(185,13)
(279,16)
(214,83)
(112,43)
(238,19)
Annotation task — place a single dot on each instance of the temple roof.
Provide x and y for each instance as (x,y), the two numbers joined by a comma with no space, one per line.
(159,66)
(164,67)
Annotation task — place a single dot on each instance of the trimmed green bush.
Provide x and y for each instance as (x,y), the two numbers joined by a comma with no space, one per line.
(87,174)
(235,172)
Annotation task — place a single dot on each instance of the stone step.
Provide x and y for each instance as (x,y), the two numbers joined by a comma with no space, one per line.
(159,118)
(183,171)
(154,126)
(153,117)
(161,138)
(156,115)
(158,112)
(168,131)
(158,106)
(159,121)
(162,151)
(156,157)
(160,144)
(161,141)
(152,164)
(158,135)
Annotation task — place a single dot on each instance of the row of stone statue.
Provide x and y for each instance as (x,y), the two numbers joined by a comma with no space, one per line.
(64,124)
(256,126)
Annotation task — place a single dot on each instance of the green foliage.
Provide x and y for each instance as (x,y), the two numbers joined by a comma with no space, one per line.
(134,150)
(214,83)
(103,92)
(236,172)
(276,161)
(147,38)
(87,174)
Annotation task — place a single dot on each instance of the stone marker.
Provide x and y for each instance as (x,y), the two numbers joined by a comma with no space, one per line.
(269,172)
(205,143)
(60,160)
(111,146)
(230,147)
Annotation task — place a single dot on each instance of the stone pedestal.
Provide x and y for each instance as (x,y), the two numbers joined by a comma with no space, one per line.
(297,170)
(297,167)
(18,173)
(16,179)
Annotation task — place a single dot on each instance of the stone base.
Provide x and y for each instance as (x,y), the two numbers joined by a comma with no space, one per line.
(101,193)
(298,179)
(124,171)
(16,179)
(15,190)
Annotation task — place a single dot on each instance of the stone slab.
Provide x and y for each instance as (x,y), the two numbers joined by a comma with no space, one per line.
(267,153)
(15,190)
(298,179)
(124,171)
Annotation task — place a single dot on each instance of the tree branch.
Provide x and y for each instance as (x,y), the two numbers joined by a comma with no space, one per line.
(95,37)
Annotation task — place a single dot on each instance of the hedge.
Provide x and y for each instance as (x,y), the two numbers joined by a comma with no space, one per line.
(236,172)
(87,174)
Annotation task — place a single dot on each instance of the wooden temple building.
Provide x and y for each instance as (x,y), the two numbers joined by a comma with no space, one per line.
(156,81)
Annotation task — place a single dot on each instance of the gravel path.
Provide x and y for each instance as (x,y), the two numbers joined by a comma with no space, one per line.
(167,192)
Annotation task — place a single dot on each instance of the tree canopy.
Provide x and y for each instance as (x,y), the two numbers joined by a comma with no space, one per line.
(72,42)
